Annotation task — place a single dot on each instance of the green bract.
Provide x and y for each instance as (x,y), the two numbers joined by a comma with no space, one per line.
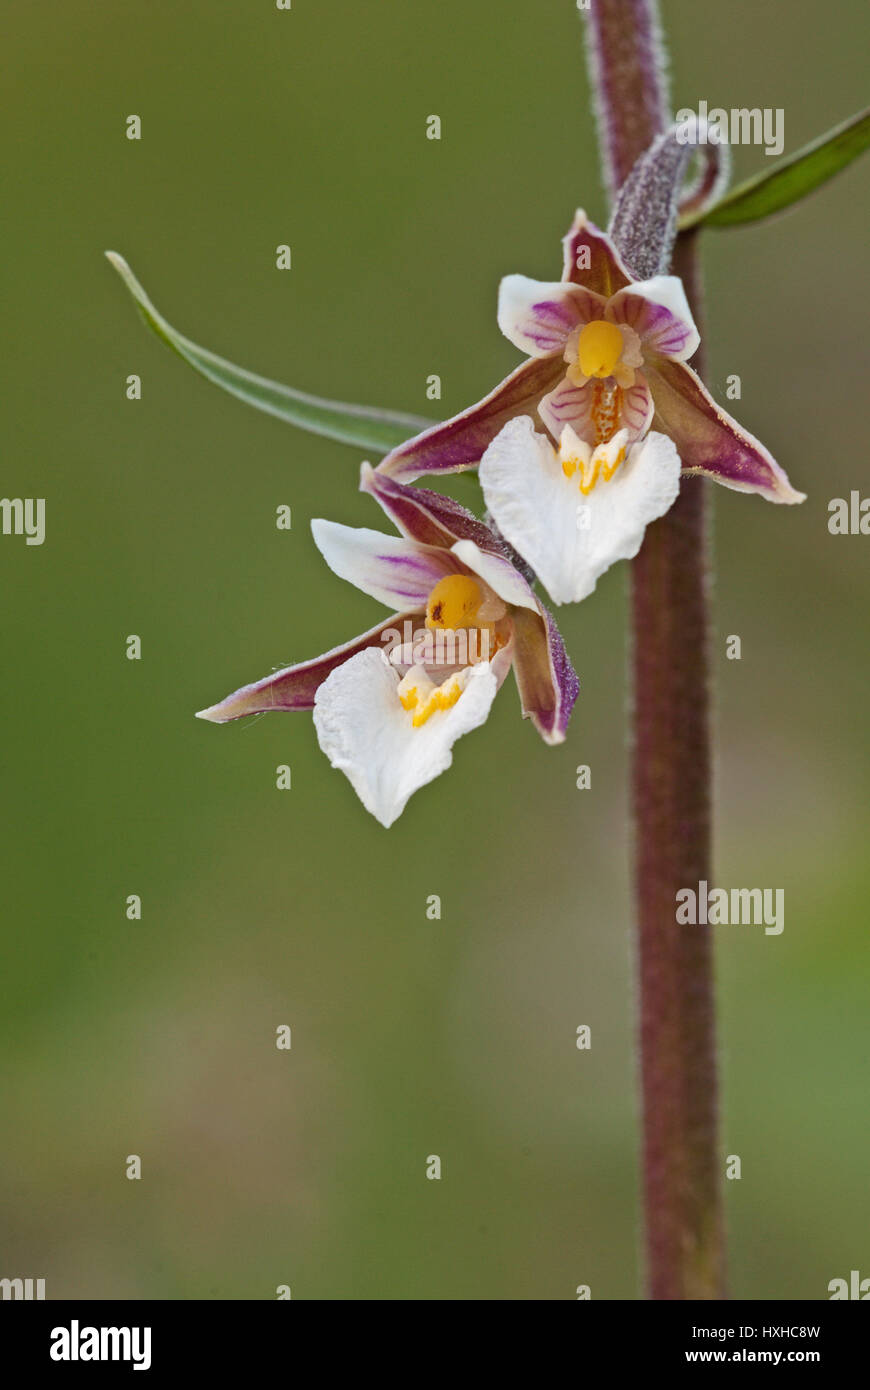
(361,425)
(791,180)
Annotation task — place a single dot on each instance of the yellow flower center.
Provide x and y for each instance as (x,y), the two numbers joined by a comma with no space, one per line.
(599,348)
(454,602)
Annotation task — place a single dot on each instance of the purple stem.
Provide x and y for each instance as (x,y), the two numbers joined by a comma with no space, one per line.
(671,763)
(626,71)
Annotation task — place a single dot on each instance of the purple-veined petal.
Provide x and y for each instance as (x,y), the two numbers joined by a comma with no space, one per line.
(421,513)
(398,572)
(460,442)
(569,405)
(709,440)
(546,680)
(636,410)
(426,517)
(576,406)
(366,734)
(606,272)
(539,316)
(294,687)
(659,313)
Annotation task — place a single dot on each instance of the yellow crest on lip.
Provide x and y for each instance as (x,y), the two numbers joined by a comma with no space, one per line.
(419,695)
(589,465)
(599,348)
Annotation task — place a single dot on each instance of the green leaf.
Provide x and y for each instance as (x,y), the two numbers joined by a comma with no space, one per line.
(363,426)
(790,180)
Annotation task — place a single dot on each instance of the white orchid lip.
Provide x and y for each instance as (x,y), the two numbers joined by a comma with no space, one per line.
(573,512)
(391,733)
(391,736)
(388,719)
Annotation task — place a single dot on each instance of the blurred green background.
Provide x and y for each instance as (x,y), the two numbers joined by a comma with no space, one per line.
(263,907)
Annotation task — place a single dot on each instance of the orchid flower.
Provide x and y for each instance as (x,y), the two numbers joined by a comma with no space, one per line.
(389,705)
(606,352)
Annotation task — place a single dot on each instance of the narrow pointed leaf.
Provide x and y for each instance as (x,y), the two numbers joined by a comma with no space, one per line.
(789,181)
(363,426)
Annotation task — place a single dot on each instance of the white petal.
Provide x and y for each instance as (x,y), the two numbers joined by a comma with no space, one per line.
(645,486)
(533,503)
(501,576)
(539,316)
(659,313)
(364,731)
(399,572)
(571,445)
(569,404)
(568,539)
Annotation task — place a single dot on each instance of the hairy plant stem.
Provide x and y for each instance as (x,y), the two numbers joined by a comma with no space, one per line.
(671,763)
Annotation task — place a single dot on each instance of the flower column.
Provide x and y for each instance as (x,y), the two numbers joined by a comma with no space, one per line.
(671,764)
